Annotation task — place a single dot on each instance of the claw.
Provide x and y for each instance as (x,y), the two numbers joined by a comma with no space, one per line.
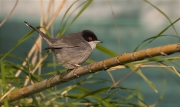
(75,73)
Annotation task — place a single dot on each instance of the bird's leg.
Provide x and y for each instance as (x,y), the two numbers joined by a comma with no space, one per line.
(69,70)
(77,65)
(75,73)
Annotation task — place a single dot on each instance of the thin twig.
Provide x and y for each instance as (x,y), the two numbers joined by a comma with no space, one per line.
(9,13)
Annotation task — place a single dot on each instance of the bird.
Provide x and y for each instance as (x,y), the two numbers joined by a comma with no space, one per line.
(71,50)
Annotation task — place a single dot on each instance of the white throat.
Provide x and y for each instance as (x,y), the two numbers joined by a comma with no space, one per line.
(93,44)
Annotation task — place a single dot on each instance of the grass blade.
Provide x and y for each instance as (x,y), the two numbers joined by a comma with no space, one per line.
(106,50)
(60,33)
(132,66)
(18,43)
(163,14)
(79,13)
(154,37)
(3,74)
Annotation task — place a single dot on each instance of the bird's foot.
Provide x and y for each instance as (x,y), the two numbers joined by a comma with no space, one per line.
(73,70)
(77,76)
(77,65)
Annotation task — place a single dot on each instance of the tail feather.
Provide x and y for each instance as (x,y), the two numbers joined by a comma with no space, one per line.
(44,36)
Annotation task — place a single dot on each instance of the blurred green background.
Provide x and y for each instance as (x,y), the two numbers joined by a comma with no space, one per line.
(136,21)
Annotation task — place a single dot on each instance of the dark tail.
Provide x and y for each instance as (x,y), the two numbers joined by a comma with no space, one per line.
(45,37)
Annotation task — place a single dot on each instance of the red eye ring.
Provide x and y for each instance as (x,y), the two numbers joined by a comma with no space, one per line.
(90,38)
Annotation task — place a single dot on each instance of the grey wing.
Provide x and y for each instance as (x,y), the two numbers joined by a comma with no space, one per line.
(67,41)
(61,44)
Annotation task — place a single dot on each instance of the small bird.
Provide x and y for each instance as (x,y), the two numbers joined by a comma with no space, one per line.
(73,49)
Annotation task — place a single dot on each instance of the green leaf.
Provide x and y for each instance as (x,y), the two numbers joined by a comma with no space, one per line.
(68,11)
(60,33)
(94,94)
(3,72)
(163,14)
(138,71)
(79,13)
(18,43)
(161,60)
(106,51)
(35,101)
(21,41)
(141,102)
(154,37)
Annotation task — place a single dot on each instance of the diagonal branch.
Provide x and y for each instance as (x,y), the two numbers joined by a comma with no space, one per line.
(91,68)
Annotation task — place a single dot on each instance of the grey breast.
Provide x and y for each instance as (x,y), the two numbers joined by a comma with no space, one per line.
(68,56)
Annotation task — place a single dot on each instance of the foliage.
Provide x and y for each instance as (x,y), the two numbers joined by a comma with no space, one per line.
(74,95)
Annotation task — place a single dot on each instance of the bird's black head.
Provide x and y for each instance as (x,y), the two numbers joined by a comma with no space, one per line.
(89,36)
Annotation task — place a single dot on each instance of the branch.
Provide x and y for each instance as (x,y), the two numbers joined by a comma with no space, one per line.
(91,68)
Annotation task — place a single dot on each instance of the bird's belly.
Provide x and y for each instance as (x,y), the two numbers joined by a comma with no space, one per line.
(70,57)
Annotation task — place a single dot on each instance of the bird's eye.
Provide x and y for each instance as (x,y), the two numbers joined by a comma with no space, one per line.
(90,38)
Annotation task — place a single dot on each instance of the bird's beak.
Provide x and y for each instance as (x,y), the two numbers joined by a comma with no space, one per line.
(98,41)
